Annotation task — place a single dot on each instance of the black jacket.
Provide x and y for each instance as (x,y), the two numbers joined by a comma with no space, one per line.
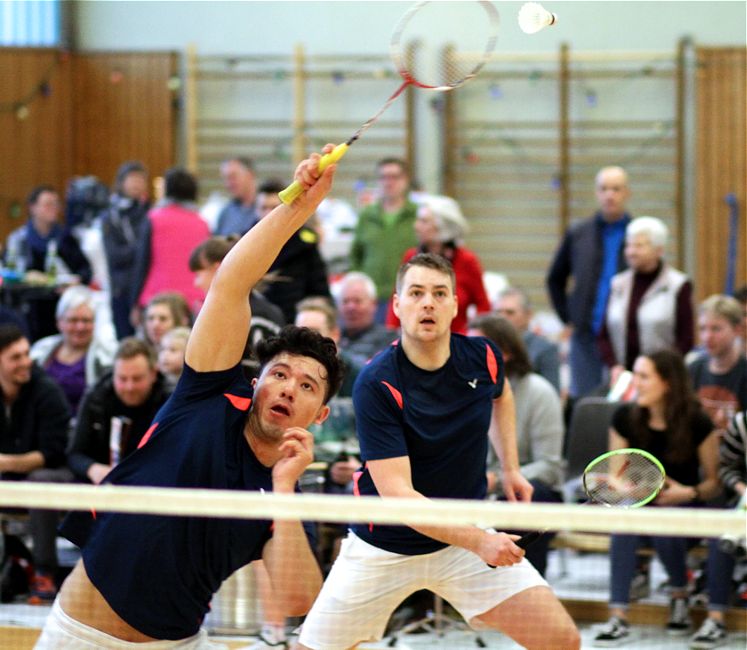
(39,420)
(99,406)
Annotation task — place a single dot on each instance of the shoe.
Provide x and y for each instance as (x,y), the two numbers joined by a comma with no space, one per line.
(43,589)
(264,644)
(615,632)
(711,634)
(679,618)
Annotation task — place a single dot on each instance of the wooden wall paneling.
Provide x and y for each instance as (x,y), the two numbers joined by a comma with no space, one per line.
(721,164)
(36,149)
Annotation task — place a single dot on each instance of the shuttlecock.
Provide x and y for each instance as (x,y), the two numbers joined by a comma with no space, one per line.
(534,17)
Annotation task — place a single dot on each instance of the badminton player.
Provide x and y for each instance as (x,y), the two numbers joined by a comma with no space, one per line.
(425,410)
(146,581)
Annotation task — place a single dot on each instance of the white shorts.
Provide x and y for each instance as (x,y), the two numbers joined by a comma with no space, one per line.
(64,633)
(367,583)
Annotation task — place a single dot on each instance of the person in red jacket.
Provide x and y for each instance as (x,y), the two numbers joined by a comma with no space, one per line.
(440,228)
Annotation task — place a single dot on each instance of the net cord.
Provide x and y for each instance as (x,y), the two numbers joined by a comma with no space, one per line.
(698,522)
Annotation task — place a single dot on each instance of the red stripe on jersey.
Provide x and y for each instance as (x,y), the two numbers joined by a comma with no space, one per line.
(395,393)
(241,403)
(492,363)
(147,435)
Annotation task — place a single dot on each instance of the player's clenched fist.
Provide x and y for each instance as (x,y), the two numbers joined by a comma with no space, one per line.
(499,549)
(297,453)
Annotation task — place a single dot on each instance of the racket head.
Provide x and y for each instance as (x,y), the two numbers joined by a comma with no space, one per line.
(472,34)
(628,478)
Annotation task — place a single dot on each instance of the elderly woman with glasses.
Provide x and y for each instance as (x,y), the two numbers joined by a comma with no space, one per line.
(80,354)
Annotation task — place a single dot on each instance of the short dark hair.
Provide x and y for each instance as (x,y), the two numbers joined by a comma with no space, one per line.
(9,334)
(271,186)
(741,294)
(131,347)
(304,342)
(428,261)
(244,161)
(504,335)
(125,169)
(393,160)
(180,185)
(209,252)
(34,194)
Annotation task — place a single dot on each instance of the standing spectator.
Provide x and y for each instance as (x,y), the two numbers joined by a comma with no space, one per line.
(80,354)
(440,229)
(539,425)
(667,421)
(361,336)
(122,230)
(129,397)
(513,305)
(164,312)
(719,373)
(172,230)
(650,303)
(239,214)
(43,245)
(299,270)
(33,437)
(385,231)
(590,253)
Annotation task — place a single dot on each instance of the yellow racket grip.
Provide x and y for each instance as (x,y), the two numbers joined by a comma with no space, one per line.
(295,189)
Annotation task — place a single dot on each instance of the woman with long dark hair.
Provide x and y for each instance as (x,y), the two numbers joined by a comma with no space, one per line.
(666,420)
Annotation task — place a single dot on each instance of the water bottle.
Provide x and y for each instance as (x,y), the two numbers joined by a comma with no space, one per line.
(51,261)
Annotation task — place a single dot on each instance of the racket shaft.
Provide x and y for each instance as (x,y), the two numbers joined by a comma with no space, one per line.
(295,189)
(527,539)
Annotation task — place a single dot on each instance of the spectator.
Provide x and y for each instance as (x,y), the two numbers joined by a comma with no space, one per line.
(164,312)
(299,271)
(720,567)
(590,253)
(239,215)
(361,337)
(33,437)
(440,229)
(719,373)
(667,421)
(267,319)
(385,231)
(171,355)
(650,303)
(172,230)
(79,355)
(122,231)
(43,245)
(125,400)
(741,296)
(513,305)
(539,425)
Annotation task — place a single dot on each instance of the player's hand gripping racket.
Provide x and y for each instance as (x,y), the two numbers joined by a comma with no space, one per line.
(473,30)
(626,478)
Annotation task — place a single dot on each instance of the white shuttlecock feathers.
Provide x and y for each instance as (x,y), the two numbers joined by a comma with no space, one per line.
(533,17)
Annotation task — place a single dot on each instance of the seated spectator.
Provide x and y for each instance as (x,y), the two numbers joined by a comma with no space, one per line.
(125,400)
(440,229)
(164,312)
(239,215)
(719,372)
(361,337)
(667,421)
(650,304)
(539,425)
(78,356)
(513,305)
(171,355)
(42,244)
(720,566)
(267,319)
(122,230)
(172,230)
(33,438)
(740,295)
(299,270)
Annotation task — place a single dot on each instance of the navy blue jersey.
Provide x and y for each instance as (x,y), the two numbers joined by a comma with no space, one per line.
(159,573)
(440,419)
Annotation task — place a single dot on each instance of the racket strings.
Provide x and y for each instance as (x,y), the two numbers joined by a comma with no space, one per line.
(623,480)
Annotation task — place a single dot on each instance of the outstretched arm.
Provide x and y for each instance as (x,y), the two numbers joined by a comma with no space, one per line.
(219,336)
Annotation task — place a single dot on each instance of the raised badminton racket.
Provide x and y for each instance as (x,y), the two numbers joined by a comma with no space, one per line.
(472,29)
(623,478)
